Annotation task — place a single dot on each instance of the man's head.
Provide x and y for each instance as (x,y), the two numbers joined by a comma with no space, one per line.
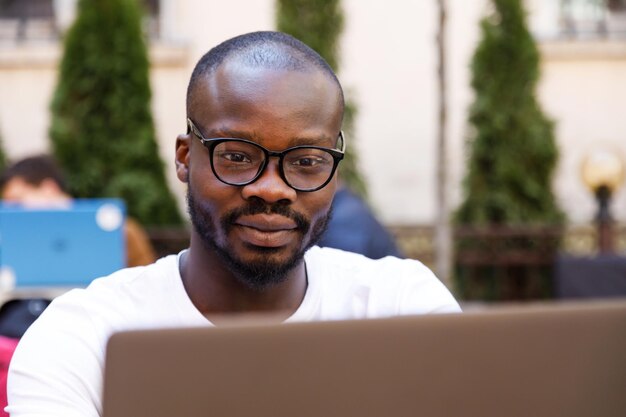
(275,93)
(34,181)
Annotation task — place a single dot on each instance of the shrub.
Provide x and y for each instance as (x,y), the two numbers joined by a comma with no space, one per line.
(102,129)
(512,151)
(512,155)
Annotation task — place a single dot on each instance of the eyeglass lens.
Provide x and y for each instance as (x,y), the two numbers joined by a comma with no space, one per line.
(239,163)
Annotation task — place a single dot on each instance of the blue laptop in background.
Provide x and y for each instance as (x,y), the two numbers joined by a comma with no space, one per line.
(60,247)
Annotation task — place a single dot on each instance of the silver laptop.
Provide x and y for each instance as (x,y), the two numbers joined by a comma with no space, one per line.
(543,361)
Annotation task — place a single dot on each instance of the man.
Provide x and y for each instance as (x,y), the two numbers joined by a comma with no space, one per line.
(259,158)
(39,182)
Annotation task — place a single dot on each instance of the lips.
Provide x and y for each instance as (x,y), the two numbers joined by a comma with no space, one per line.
(266,230)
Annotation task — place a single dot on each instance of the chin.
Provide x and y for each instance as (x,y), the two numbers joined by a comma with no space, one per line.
(260,268)
(256,267)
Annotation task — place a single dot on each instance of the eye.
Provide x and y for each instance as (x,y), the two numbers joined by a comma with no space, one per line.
(235,157)
(308,161)
(308,158)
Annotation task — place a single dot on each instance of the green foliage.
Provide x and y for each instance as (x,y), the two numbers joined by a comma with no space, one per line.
(512,155)
(102,129)
(348,169)
(512,147)
(319,24)
(3,156)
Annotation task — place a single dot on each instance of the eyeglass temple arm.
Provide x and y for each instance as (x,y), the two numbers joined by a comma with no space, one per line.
(343,141)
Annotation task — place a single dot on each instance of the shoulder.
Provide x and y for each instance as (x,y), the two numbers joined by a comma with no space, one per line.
(133,285)
(139,250)
(355,266)
(403,286)
(132,279)
(61,354)
(110,303)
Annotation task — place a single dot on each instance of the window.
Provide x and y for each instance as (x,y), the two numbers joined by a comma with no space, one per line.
(22,20)
(593,18)
(27,19)
(151,21)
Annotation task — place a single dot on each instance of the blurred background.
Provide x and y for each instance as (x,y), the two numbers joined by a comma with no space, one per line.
(488,136)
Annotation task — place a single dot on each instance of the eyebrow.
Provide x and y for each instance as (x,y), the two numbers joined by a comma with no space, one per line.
(296,141)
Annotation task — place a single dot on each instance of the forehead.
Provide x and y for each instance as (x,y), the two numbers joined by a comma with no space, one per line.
(267,103)
(15,188)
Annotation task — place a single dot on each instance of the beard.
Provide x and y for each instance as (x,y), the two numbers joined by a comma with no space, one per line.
(264,270)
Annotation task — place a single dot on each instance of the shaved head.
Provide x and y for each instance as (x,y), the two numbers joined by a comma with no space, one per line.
(267,50)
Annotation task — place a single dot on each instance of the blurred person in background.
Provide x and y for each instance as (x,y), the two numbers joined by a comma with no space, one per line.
(38,182)
(259,158)
(353,227)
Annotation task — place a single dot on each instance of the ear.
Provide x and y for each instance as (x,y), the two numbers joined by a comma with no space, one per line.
(182,157)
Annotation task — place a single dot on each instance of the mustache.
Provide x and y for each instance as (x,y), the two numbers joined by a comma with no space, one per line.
(260,207)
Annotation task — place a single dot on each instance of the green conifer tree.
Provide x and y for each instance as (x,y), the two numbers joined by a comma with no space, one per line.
(319,24)
(512,150)
(512,155)
(102,129)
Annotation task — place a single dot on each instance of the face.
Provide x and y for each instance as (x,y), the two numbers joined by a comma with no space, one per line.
(260,230)
(46,194)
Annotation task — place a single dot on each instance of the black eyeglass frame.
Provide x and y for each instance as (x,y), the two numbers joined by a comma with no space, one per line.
(211,143)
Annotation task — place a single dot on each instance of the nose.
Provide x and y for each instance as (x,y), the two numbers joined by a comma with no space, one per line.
(270,187)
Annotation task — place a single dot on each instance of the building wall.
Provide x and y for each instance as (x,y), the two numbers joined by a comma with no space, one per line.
(585,92)
(390,61)
(26,83)
(388,68)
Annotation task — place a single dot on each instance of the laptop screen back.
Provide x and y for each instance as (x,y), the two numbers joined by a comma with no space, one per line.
(540,362)
(60,247)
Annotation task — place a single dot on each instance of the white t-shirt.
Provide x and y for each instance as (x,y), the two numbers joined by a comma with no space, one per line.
(58,365)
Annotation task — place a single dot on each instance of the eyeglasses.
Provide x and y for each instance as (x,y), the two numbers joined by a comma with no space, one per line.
(241,162)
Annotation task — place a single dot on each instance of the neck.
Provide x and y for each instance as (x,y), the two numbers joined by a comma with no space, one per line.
(215,290)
